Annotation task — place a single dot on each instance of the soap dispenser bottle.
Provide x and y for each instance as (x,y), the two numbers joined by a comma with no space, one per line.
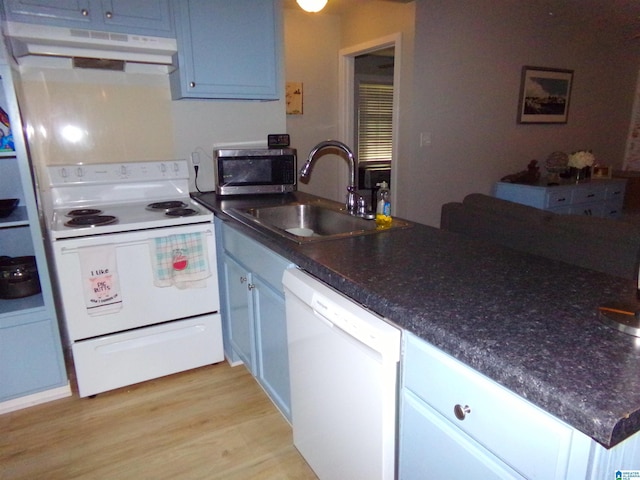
(383,206)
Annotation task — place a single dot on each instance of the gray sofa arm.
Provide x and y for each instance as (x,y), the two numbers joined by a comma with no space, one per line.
(606,245)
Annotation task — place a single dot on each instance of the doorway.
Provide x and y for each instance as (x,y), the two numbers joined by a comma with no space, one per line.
(381,56)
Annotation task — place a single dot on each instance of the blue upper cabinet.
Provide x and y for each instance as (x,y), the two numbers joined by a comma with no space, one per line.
(228,49)
(144,17)
(55,12)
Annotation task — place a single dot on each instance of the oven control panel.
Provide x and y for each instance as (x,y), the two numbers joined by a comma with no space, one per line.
(117,172)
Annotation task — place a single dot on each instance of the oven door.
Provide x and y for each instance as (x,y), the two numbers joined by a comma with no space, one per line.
(142,303)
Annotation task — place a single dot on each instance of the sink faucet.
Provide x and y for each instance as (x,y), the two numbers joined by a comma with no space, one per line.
(353,204)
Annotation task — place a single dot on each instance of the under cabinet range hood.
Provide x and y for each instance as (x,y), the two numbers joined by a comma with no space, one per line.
(29,40)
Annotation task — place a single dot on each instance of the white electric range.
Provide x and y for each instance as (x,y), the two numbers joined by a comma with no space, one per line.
(136,272)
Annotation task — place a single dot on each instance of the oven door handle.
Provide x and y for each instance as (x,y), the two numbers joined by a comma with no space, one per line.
(119,244)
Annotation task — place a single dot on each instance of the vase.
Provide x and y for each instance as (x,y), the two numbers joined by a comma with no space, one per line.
(580,174)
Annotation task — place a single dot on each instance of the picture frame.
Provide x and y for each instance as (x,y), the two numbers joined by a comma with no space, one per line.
(545,94)
(601,171)
(293,94)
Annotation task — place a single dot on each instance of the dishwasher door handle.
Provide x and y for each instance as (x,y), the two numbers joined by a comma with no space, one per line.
(323,318)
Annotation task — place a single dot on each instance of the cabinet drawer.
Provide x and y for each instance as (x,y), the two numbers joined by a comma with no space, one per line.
(529,440)
(615,192)
(558,198)
(613,208)
(262,261)
(588,194)
(595,209)
(431,447)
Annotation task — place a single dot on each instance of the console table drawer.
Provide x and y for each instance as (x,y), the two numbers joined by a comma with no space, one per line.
(558,198)
(588,195)
(600,198)
(615,192)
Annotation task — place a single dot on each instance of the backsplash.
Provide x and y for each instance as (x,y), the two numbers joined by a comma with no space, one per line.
(76,116)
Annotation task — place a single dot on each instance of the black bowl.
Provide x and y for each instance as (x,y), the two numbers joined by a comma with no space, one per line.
(7,205)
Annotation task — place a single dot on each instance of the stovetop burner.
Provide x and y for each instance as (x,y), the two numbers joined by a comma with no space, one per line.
(91,220)
(120,198)
(166,206)
(81,212)
(181,212)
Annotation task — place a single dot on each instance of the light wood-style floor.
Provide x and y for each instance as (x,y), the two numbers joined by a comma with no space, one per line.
(214,422)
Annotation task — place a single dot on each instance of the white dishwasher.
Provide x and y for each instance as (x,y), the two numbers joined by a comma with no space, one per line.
(343,364)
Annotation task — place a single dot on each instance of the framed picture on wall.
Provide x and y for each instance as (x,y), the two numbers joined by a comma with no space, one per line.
(544,95)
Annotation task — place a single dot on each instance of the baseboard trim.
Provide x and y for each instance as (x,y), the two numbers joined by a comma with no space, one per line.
(35,399)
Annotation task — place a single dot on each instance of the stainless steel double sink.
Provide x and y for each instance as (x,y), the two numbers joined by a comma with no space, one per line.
(311,221)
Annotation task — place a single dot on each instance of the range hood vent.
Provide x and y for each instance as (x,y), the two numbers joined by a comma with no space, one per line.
(38,40)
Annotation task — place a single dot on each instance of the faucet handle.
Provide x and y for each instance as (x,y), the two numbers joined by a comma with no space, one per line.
(362,206)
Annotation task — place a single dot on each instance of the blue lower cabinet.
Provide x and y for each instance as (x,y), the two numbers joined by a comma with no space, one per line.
(253,312)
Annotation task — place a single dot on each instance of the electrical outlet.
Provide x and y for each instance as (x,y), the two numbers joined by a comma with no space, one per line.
(195,158)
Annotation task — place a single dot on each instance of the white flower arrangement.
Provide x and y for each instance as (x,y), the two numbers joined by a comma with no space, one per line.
(581,159)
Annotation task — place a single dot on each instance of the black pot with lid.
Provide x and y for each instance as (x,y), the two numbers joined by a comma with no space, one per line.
(18,277)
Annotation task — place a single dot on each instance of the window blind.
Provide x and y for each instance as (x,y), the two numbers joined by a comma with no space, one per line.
(375,112)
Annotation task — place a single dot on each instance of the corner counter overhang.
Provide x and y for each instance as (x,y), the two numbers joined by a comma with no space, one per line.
(526,322)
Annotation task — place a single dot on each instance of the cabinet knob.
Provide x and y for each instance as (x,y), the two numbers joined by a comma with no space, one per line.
(461,412)
(108,15)
(251,286)
(243,279)
(84,12)
(192,84)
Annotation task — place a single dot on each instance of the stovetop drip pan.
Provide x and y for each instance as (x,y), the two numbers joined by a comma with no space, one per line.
(91,221)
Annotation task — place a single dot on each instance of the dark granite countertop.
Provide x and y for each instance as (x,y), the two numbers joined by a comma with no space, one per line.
(526,322)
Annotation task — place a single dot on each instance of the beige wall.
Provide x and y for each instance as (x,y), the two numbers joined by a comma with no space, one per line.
(121,117)
(468,60)
(460,85)
(312,45)
(377,20)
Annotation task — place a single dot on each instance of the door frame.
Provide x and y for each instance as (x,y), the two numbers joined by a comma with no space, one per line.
(346,85)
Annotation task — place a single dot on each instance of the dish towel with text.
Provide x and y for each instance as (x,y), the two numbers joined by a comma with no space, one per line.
(180,260)
(100,281)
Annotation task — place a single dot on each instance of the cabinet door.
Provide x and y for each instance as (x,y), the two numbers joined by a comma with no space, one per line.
(239,311)
(138,14)
(227,49)
(430,447)
(52,12)
(30,357)
(144,17)
(271,343)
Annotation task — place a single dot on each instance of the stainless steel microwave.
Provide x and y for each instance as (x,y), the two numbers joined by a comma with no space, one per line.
(252,171)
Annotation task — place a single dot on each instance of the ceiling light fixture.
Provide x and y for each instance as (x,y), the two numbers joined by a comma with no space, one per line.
(312,6)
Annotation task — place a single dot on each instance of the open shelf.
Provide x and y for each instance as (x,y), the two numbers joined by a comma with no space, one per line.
(10,307)
(18,218)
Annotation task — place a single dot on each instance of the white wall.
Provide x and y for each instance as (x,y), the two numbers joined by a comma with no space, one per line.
(377,20)
(124,117)
(468,59)
(311,44)
(460,85)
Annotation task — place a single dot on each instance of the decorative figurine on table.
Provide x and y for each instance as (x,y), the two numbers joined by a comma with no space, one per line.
(529,176)
(556,166)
